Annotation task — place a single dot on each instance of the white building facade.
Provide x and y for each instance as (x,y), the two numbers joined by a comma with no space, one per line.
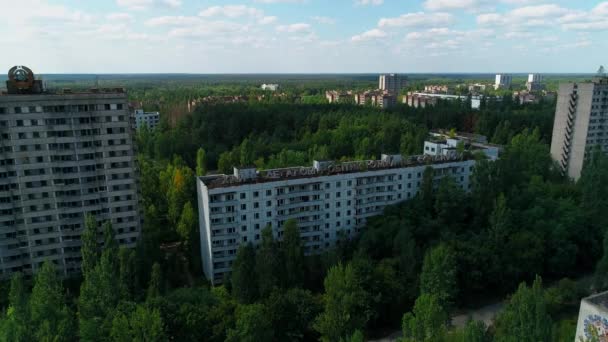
(503,81)
(271,87)
(327,200)
(392,83)
(62,156)
(593,318)
(149,119)
(580,116)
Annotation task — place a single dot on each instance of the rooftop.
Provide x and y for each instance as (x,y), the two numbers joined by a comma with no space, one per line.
(600,300)
(326,168)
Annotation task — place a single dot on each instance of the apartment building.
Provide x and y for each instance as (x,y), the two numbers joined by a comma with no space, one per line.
(502,81)
(382,99)
(148,119)
(336,96)
(62,155)
(327,200)
(392,83)
(580,123)
(447,143)
(535,83)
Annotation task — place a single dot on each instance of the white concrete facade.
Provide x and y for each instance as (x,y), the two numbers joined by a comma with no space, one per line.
(392,83)
(271,87)
(63,156)
(502,81)
(148,119)
(327,200)
(593,318)
(580,117)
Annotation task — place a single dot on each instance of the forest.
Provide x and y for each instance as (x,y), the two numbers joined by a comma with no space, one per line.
(524,234)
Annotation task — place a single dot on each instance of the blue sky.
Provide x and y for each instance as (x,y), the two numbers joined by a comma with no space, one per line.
(303,36)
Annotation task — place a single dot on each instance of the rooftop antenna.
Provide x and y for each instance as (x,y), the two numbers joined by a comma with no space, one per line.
(601,71)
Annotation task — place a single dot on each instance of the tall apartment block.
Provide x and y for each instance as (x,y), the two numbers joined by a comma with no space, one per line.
(392,83)
(328,200)
(62,155)
(535,82)
(502,81)
(580,123)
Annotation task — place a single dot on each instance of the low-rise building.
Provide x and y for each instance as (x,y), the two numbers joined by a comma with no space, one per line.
(592,322)
(148,119)
(378,98)
(476,88)
(328,200)
(436,89)
(416,99)
(271,87)
(443,143)
(335,96)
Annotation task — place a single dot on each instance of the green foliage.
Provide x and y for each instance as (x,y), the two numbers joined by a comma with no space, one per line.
(252,325)
(293,254)
(268,266)
(346,306)
(16,324)
(473,331)
(438,275)
(525,318)
(155,286)
(201,162)
(89,249)
(292,313)
(426,322)
(51,319)
(244,277)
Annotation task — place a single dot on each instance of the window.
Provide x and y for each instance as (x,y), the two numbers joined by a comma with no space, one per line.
(243,195)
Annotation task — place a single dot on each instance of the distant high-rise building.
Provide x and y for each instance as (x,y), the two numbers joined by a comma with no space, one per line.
(579,115)
(535,82)
(503,81)
(148,119)
(392,83)
(62,156)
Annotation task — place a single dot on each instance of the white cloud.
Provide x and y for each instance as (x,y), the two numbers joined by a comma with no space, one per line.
(173,21)
(140,5)
(444,5)
(119,17)
(368,2)
(267,20)
(369,35)
(417,19)
(324,20)
(549,15)
(540,11)
(231,11)
(279,1)
(294,28)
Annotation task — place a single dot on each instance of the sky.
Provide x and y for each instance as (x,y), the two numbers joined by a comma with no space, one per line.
(303,36)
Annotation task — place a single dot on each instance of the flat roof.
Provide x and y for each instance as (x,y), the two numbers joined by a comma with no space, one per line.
(336,168)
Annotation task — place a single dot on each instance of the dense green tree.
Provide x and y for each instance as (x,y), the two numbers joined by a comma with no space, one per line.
(292,313)
(357,336)
(427,196)
(450,204)
(127,277)
(244,277)
(293,254)
(426,322)
(155,286)
(201,162)
(252,325)
(16,324)
(51,319)
(268,267)
(473,331)
(186,225)
(90,249)
(346,307)
(439,275)
(525,317)
(146,325)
